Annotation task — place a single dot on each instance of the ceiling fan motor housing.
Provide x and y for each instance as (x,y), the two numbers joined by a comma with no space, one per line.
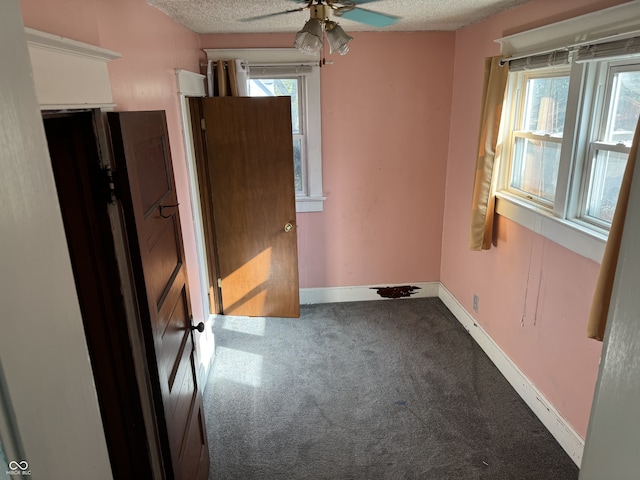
(320,11)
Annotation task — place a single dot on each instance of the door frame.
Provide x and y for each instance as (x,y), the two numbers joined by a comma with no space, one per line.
(189,85)
(116,385)
(192,84)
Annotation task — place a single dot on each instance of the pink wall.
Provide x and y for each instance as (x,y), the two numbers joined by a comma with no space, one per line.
(550,345)
(385,130)
(152,46)
(400,123)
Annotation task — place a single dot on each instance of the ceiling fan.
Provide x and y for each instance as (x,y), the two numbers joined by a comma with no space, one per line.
(310,38)
(348,9)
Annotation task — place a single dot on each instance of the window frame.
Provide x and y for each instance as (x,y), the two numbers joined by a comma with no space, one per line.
(289,62)
(617,23)
(564,221)
(606,70)
(517,98)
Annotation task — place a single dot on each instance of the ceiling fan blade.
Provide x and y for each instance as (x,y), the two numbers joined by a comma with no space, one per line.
(269,15)
(368,17)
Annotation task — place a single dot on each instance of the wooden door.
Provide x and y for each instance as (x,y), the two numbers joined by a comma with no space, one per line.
(249,154)
(146,183)
(75,159)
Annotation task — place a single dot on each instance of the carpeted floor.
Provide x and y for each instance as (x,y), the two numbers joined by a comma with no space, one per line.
(392,389)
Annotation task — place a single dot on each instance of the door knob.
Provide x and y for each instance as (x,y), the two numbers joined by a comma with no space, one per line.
(199,327)
(288,227)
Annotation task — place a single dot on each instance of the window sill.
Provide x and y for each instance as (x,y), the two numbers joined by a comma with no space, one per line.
(309,204)
(571,235)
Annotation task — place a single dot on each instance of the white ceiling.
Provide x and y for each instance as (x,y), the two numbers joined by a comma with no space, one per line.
(225,16)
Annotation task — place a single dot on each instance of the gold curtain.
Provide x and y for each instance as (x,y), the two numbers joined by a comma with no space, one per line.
(604,286)
(483,205)
(227,78)
(221,79)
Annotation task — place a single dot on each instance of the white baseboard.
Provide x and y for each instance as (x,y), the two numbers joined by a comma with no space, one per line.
(310,296)
(563,432)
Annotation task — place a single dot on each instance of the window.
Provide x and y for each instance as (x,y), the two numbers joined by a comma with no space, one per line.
(291,86)
(287,72)
(609,148)
(566,138)
(537,136)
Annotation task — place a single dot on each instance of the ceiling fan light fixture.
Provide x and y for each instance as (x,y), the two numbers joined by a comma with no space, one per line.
(309,39)
(337,38)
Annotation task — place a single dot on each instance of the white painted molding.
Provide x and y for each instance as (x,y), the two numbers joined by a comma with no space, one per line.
(191,84)
(557,425)
(569,234)
(68,46)
(69,74)
(310,296)
(257,56)
(616,22)
(309,204)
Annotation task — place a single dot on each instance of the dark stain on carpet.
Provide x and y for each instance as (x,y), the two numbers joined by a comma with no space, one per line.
(396,292)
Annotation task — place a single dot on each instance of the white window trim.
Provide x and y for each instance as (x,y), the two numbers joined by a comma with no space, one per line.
(619,22)
(313,201)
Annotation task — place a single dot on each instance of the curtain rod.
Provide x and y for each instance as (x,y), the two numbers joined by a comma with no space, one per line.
(267,65)
(573,46)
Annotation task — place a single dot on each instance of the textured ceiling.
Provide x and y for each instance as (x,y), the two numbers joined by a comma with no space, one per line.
(225,16)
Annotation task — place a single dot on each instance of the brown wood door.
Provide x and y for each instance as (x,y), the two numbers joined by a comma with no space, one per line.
(75,159)
(146,183)
(249,150)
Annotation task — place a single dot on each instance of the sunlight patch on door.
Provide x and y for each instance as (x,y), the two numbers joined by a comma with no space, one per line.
(238,366)
(249,325)
(246,286)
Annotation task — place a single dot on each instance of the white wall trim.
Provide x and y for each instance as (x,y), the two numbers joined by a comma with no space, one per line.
(191,84)
(68,73)
(557,425)
(68,46)
(570,234)
(562,431)
(256,56)
(617,21)
(363,293)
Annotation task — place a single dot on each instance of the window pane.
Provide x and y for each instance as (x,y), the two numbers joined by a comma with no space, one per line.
(624,108)
(535,167)
(545,105)
(608,169)
(297,164)
(279,87)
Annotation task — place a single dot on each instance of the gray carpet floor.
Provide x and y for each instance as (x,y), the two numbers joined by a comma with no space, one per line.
(393,389)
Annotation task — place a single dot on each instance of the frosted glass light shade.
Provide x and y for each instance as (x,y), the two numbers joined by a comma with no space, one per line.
(338,38)
(309,39)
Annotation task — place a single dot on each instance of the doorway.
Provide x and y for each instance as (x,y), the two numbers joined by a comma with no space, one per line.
(84,197)
(143,359)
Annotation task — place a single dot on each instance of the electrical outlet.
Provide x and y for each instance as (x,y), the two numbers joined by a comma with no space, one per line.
(476,299)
